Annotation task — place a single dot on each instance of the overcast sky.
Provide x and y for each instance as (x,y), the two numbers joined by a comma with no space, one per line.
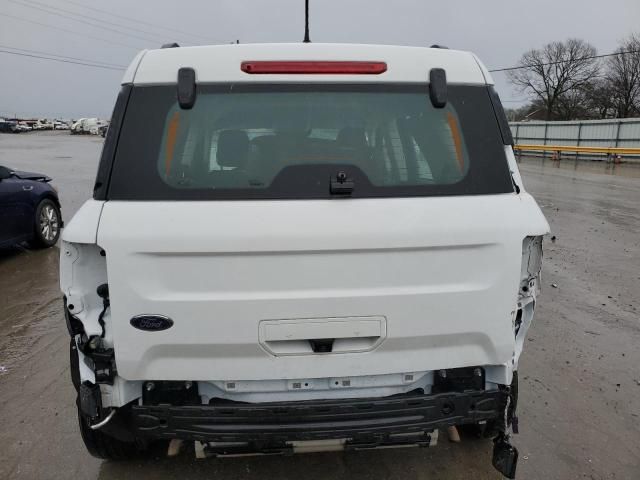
(499,31)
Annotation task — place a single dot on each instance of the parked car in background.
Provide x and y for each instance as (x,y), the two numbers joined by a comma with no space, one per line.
(86,126)
(42,124)
(29,209)
(102,130)
(7,126)
(76,127)
(24,127)
(96,129)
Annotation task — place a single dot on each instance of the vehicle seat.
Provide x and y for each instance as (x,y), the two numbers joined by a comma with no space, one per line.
(354,139)
(233,149)
(232,155)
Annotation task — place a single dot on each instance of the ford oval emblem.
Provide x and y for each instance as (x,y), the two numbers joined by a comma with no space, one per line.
(151,323)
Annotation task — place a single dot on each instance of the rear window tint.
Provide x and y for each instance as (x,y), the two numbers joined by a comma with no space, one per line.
(288,141)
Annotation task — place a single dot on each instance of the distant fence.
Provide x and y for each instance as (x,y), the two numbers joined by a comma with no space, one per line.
(605,136)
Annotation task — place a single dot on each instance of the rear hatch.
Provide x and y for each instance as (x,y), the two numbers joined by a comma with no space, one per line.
(310,230)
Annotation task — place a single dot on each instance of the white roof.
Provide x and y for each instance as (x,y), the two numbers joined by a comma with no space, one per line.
(221,63)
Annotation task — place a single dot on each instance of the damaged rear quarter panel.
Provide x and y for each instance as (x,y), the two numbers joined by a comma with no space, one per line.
(530,278)
(83,266)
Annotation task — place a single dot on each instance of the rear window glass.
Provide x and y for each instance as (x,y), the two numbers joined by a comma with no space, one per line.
(289,141)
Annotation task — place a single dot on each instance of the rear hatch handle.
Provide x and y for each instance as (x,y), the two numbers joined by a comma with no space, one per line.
(309,336)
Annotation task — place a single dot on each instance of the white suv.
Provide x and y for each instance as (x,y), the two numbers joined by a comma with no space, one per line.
(301,243)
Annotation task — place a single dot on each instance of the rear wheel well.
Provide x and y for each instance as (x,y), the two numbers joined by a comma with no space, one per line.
(52,197)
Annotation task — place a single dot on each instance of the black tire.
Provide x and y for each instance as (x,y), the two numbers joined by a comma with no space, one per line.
(99,444)
(49,213)
(106,447)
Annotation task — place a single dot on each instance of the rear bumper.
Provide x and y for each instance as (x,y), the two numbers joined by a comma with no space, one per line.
(370,422)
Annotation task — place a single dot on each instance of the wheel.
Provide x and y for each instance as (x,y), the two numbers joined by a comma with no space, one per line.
(47,224)
(106,447)
(97,442)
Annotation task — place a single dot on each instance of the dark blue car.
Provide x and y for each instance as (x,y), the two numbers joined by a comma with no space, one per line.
(29,209)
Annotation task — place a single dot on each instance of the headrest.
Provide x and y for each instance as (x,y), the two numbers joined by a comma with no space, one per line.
(233,148)
(352,137)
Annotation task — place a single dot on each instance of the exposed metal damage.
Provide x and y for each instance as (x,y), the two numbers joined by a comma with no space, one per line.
(530,277)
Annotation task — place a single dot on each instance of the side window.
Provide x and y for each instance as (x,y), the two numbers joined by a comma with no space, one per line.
(434,147)
(392,154)
(424,171)
(189,150)
(397,151)
(421,149)
(213,152)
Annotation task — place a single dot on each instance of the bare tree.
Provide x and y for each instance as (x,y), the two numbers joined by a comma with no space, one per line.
(573,104)
(600,99)
(532,111)
(550,73)
(623,73)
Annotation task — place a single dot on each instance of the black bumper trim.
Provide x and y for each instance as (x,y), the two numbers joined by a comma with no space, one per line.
(360,420)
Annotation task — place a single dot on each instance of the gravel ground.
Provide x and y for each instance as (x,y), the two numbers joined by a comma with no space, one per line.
(580,378)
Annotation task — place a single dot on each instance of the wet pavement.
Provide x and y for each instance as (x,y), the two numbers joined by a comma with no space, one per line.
(580,377)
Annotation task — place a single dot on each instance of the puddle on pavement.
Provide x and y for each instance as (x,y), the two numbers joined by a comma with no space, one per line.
(29,300)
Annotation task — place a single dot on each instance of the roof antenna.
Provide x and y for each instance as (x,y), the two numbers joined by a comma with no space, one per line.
(306,22)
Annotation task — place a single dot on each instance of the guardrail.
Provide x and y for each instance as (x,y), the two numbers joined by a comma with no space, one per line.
(611,132)
(575,149)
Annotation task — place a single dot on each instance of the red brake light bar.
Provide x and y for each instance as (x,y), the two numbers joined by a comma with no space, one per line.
(305,67)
